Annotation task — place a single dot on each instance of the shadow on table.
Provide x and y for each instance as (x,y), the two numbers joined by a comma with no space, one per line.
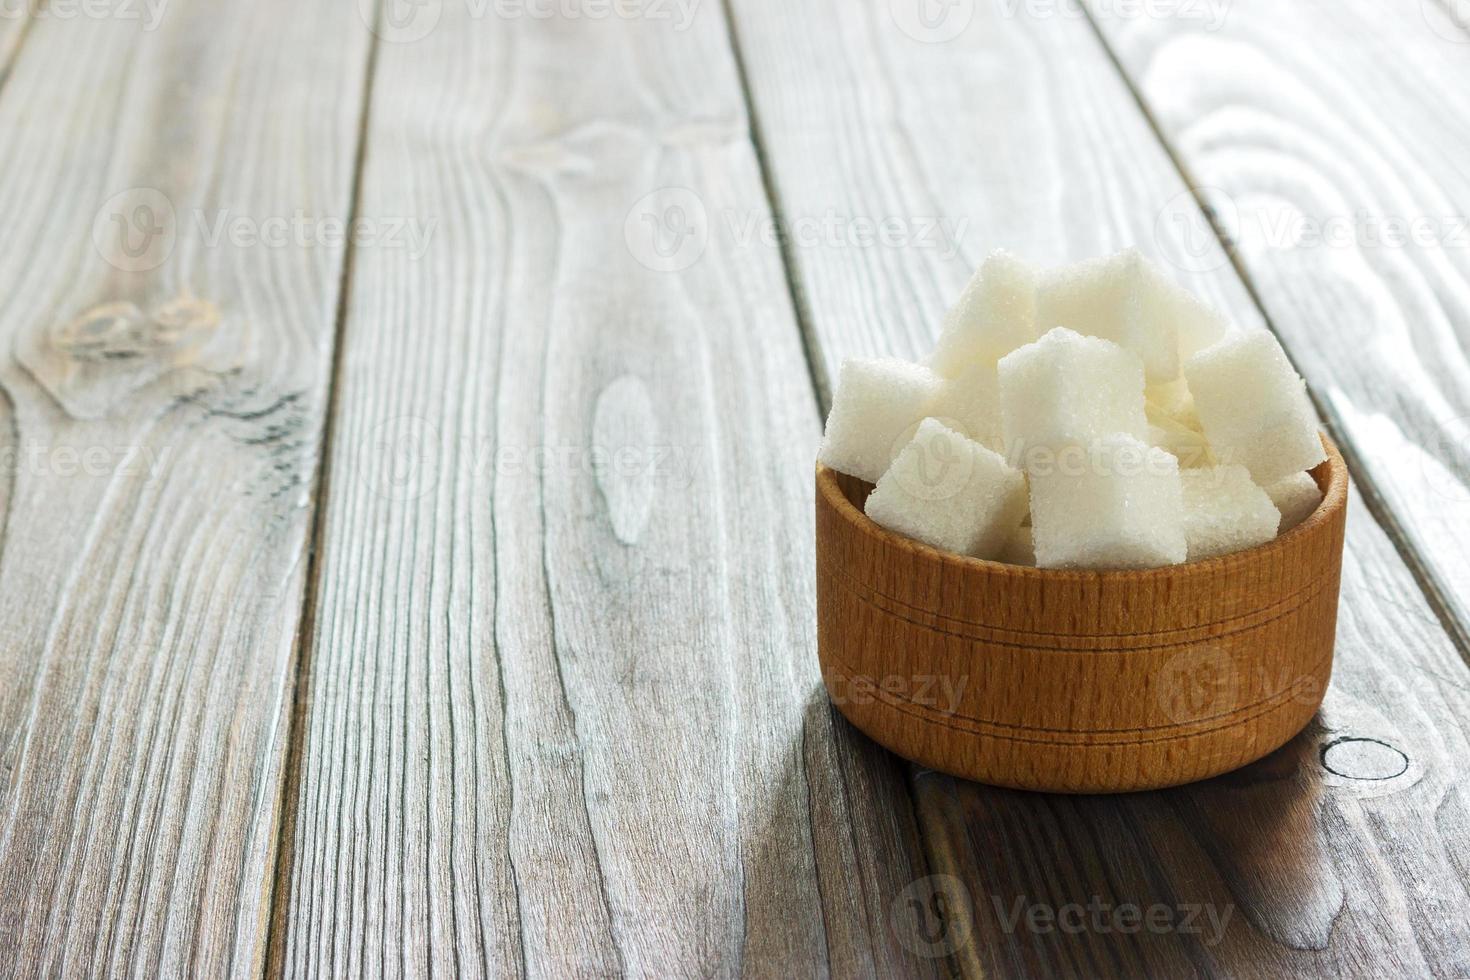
(836,861)
(1237,875)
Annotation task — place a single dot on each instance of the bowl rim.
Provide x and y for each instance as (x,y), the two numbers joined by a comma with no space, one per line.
(1334,500)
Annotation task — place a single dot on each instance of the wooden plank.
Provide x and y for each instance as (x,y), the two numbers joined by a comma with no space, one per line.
(1330,857)
(565,714)
(1346,192)
(163,395)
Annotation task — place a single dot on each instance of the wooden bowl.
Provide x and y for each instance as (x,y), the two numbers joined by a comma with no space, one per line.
(1076,681)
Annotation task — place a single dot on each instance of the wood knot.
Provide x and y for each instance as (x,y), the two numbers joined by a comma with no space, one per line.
(624,455)
(104,355)
(120,331)
(546,158)
(183,322)
(102,333)
(1364,758)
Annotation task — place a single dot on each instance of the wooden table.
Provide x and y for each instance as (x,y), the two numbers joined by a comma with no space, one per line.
(407,561)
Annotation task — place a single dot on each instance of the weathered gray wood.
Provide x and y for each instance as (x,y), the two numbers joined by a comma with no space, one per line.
(1347,191)
(564,710)
(1020,127)
(160,416)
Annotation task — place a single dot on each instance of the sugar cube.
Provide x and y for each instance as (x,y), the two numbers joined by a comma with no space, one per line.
(995,315)
(950,492)
(1225,511)
(1098,298)
(1117,503)
(1253,406)
(1086,296)
(1197,323)
(970,404)
(876,406)
(1116,459)
(1129,300)
(1020,549)
(1163,321)
(1296,497)
(1067,389)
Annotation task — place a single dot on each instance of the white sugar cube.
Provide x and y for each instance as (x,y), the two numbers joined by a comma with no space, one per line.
(995,315)
(1066,389)
(1224,511)
(970,404)
(950,492)
(1131,301)
(874,411)
(1254,408)
(1296,497)
(1124,298)
(1116,504)
(1164,322)
(1020,549)
(1198,324)
(1086,296)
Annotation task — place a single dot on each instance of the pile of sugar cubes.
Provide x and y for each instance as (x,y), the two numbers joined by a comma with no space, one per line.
(1097,416)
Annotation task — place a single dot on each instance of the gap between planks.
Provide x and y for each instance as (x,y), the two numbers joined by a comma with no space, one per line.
(279,901)
(816,370)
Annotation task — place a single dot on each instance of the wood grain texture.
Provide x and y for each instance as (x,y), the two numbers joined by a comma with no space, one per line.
(1345,191)
(564,715)
(161,410)
(959,147)
(1335,854)
(1076,681)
